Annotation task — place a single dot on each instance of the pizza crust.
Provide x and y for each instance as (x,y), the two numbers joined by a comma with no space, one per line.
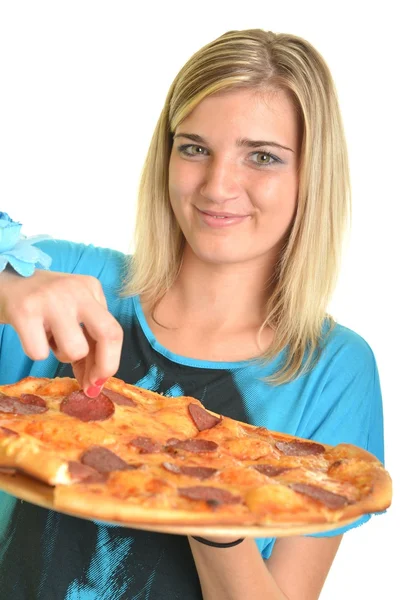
(73,499)
(25,453)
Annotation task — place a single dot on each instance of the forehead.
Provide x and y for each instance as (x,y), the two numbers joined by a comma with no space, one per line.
(250,113)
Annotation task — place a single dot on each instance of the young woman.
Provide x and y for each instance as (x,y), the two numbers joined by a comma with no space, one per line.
(242,208)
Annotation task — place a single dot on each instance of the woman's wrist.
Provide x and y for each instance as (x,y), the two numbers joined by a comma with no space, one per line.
(17,251)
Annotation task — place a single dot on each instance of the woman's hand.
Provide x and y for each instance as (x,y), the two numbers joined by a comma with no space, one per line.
(67,313)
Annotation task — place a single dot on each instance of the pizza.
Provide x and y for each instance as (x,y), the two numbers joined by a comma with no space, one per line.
(134,456)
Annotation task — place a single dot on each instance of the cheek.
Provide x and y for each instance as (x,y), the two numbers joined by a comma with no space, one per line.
(181,183)
(278,199)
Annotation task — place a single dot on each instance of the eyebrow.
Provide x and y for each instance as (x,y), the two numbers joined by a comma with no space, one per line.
(240,142)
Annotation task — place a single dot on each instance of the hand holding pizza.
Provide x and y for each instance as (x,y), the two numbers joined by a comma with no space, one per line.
(67,313)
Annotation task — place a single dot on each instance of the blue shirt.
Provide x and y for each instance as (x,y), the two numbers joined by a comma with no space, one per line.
(46,554)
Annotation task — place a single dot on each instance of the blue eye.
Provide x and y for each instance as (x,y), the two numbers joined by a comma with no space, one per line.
(185,149)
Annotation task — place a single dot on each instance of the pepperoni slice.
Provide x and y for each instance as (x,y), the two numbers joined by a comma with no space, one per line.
(212,495)
(329,499)
(10,404)
(146,445)
(7,431)
(78,405)
(33,399)
(199,472)
(202,418)
(118,398)
(192,445)
(297,448)
(84,473)
(271,470)
(103,460)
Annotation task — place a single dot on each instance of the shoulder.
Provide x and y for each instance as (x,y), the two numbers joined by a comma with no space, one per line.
(108,265)
(343,346)
(344,401)
(346,371)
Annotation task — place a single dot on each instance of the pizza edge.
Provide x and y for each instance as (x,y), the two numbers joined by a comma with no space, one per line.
(26,454)
(103,506)
(378,499)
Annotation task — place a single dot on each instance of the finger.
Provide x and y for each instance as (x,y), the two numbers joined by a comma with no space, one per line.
(104,335)
(33,338)
(66,338)
(97,290)
(79,368)
(92,388)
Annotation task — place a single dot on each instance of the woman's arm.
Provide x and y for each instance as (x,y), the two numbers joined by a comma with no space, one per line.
(296,569)
(300,564)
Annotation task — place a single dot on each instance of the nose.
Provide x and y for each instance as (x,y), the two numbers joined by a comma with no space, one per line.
(221,181)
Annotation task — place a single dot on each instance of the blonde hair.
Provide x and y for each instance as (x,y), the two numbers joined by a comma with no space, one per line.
(308,265)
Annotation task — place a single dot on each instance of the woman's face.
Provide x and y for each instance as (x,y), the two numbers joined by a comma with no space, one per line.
(234,203)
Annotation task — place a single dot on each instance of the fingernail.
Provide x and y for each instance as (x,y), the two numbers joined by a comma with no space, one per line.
(100,382)
(93,391)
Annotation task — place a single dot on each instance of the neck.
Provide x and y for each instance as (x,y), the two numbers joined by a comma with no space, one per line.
(222,297)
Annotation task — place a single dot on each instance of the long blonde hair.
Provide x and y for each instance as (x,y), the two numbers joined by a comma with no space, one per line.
(308,265)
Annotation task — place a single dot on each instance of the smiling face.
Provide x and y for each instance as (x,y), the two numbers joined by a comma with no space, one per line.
(233,194)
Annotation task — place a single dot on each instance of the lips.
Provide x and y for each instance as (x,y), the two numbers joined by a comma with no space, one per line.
(216,220)
(221,215)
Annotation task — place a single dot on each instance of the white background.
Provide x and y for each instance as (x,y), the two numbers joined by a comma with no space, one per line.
(82,86)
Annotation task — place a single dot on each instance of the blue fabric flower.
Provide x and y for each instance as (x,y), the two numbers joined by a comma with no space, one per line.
(18,250)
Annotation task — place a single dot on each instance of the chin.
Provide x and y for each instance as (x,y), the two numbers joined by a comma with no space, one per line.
(220,256)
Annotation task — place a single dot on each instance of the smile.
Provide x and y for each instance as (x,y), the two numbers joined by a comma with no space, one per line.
(218,219)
